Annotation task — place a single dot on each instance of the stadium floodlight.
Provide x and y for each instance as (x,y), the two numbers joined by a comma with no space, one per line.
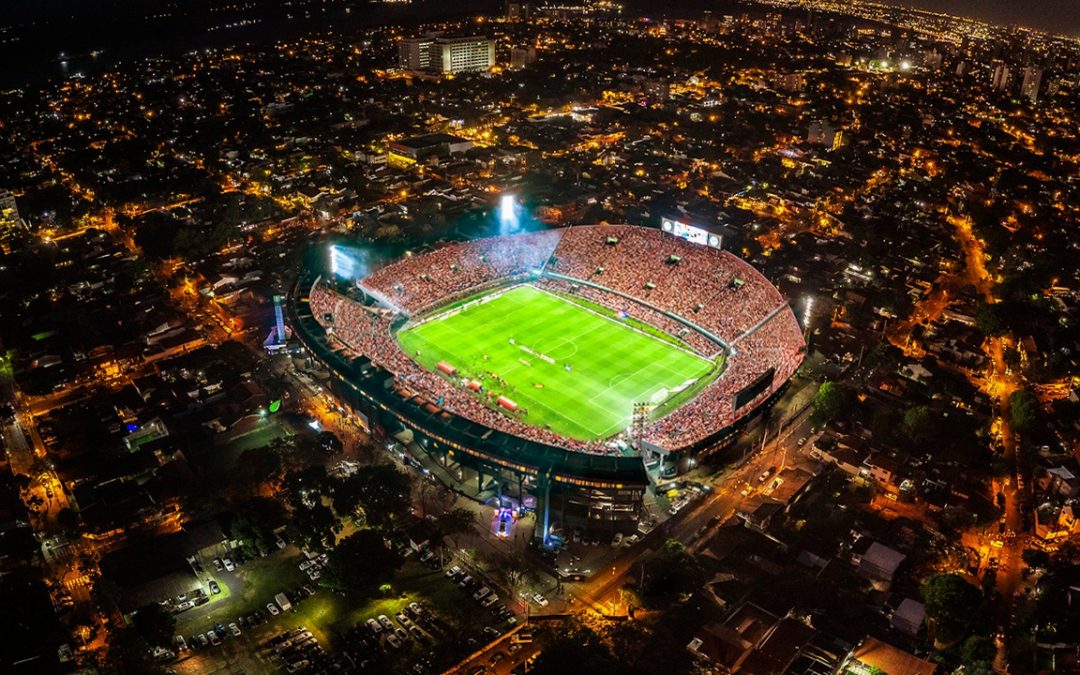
(508,215)
(343,264)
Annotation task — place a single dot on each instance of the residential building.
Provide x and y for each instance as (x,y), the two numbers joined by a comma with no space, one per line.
(1029,86)
(874,656)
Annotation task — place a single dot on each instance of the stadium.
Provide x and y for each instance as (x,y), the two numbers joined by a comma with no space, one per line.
(568,369)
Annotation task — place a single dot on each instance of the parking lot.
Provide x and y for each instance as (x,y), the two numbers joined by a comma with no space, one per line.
(430,618)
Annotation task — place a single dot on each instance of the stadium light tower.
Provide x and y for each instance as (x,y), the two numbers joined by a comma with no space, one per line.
(508,215)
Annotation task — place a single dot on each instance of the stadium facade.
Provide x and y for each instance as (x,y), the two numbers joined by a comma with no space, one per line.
(710,301)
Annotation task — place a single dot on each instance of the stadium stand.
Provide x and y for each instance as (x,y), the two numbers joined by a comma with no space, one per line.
(710,299)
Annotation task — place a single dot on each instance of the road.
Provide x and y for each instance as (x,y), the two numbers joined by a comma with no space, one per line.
(693,525)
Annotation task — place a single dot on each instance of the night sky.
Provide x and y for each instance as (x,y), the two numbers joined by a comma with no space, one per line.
(1056,16)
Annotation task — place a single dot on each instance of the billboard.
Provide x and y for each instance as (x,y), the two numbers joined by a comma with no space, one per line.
(690,233)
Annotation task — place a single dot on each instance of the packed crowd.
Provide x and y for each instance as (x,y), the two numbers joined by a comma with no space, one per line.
(710,288)
(777,343)
(418,283)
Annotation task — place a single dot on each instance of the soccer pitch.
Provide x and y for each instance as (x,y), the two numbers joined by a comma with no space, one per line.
(572,370)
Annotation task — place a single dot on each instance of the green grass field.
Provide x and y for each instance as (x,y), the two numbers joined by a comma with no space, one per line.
(612,365)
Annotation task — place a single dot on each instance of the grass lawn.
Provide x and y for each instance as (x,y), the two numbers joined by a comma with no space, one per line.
(611,365)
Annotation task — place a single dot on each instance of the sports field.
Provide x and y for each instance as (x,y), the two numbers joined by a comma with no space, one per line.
(573,371)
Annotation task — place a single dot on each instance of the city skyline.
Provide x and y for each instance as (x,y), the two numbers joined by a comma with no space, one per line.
(1060,17)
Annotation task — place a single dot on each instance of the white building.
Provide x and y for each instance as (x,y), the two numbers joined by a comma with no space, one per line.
(447,54)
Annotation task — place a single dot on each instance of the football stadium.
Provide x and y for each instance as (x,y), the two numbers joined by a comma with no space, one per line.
(567,369)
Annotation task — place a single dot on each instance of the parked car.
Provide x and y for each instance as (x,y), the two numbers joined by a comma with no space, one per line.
(374,625)
(386,622)
(214,588)
(234,629)
(453,572)
(181,643)
(272,608)
(540,600)
(479,595)
(214,639)
(394,641)
(203,640)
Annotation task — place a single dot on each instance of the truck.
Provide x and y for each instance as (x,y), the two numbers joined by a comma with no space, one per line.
(283,602)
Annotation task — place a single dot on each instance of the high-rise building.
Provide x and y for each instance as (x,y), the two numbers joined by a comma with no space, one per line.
(465,54)
(417,53)
(522,56)
(447,54)
(1029,86)
(1000,79)
(9,213)
(518,11)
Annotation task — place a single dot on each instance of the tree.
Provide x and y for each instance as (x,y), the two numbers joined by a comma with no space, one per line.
(304,486)
(454,522)
(990,319)
(254,522)
(68,519)
(256,466)
(917,426)
(434,497)
(670,573)
(313,527)
(1023,410)
(1035,558)
(830,401)
(884,425)
(576,648)
(950,603)
(359,564)
(155,625)
(382,491)
(129,653)
(977,654)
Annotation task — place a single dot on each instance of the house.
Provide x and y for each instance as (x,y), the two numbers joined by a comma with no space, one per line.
(791,485)
(1059,480)
(845,457)
(873,656)
(909,617)
(752,640)
(878,564)
(883,469)
(758,514)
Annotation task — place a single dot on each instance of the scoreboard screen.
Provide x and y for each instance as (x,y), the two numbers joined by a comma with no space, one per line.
(694,235)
